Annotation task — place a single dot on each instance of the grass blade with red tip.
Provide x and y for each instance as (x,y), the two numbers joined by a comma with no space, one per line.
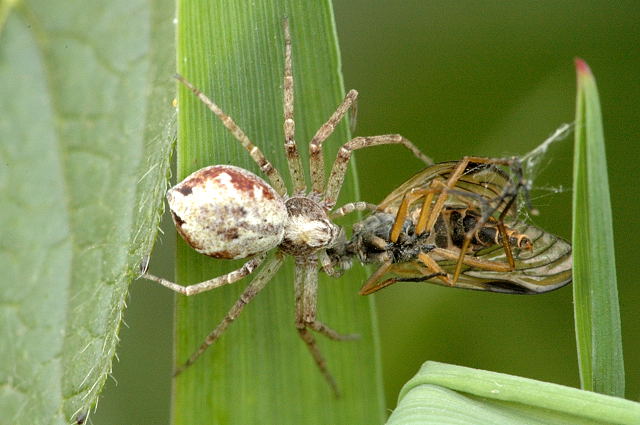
(597,316)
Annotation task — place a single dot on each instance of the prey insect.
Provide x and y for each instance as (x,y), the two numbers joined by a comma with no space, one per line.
(456,224)
(227,212)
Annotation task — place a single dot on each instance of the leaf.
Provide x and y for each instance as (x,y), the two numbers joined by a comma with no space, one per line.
(85,129)
(597,314)
(260,371)
(442,393)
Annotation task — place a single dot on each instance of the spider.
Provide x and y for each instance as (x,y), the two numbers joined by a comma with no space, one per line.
(227,212)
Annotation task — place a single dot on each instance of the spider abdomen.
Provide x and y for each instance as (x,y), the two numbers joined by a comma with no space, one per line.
(227,212)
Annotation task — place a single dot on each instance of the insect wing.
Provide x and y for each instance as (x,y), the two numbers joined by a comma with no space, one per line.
(545,268)
(421,180)
(480,181)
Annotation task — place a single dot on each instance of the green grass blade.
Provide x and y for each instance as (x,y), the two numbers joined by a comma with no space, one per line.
(260,371)
(597,316)
(442,393)
(81,124)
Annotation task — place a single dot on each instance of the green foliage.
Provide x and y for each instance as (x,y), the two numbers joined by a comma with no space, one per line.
(260,371)
(597,315)
(442,393)
(84,146)
(83,165)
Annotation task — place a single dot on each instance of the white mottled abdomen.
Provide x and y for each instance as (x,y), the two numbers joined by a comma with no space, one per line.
(227,212)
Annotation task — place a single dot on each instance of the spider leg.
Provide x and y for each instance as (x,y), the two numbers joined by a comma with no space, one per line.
(336,178)
(256,154)
(352,207)
(327,265)
(316,159)
(306,294)
(231,277)
(307,336)
(290,147)
(257,284)
(307,282)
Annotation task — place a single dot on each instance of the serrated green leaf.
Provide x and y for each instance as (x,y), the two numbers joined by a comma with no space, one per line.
(596,309)
(260,371)
(83,162)
(448,394)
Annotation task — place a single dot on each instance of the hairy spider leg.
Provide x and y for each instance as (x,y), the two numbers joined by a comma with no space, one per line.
(226,279)
(306,295)
(339,169)
(256,154)
(290,147)
(316,158)
(258,283)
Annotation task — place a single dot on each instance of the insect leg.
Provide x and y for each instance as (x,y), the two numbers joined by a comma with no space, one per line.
(425,211)
(231,277)
(503,232)
(257,284)
(495,266)
(256,154)
(372,284)
(509,195)
(435,268)
(341,162)
(451,182)
(403,211)
(435,187)
(290,147)
(455,176)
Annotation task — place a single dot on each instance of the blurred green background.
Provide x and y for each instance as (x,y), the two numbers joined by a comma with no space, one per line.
(457,78)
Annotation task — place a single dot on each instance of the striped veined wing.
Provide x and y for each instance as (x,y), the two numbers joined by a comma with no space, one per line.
(544,268)
(475,214)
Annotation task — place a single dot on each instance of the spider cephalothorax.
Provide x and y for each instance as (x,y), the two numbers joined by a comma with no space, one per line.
(308,227)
